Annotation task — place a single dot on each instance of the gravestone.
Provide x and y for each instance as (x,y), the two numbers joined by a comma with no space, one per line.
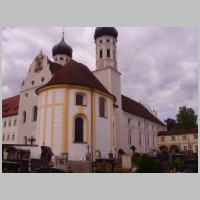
(126,163)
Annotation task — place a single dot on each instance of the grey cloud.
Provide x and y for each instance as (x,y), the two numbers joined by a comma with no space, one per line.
(158,65)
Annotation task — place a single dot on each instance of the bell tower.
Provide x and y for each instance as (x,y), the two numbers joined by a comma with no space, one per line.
(106,48)
(107,71)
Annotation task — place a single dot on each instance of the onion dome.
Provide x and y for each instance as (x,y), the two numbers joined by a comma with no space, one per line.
(62,48)
(111,31)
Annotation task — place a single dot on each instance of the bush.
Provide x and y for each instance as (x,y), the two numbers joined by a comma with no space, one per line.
(147,165)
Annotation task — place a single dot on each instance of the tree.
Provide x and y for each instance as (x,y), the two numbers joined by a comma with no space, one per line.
(171,123)
(186,118)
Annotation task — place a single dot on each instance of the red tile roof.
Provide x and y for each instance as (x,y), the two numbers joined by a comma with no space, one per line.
(10,106)
(54,67)
(75,73)
(135,108)
(178,132)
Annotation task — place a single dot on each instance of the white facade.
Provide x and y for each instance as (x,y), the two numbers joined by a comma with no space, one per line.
(57,111)
(38,75)
(9,130)
(56,125)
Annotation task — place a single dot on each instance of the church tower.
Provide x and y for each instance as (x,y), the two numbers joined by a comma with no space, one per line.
(62,52)
(107,71)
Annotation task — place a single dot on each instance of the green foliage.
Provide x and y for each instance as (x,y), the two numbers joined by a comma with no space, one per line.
(186,118)
(147,165)
(136,158)
(181,166)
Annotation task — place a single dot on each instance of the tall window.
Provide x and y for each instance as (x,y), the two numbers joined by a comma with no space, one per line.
(185,148)
(108,53)
(140,139)
(79,99)
(13,137)
(34,115)
(15,122)
(8,137)
(148,139)
(184,137)
(196,148)
(3,138)
(102,107)
(129,137)
(9,123)
(4,124)
(129,120)
(24,117)
(153,140)
(79,128)
(101,53)
(173,138)
(25,139)
(195,136)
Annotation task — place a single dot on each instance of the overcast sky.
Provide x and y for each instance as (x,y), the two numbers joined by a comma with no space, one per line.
(158,65)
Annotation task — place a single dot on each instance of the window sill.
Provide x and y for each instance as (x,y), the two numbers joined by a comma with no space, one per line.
(79,142)
(80,105)
(104,117)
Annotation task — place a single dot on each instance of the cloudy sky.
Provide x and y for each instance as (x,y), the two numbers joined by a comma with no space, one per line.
(158,65)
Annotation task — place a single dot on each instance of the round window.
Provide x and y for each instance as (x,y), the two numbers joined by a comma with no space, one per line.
(42,79)
(26,95)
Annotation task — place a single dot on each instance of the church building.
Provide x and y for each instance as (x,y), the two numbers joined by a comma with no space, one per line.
(67,107)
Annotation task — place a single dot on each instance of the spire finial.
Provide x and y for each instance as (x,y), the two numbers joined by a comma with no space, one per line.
(63,33)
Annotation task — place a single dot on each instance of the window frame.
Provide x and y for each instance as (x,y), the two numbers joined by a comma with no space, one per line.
(108,53)
(140,139)
(102,107)
(184,137)
(4,123)
(24,117)
(79,137)
(34,113)
(195,136)
(173,138)
(101,53)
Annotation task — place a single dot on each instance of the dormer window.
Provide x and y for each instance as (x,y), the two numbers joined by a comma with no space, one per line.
(107,40)
(61,58)
(100,41)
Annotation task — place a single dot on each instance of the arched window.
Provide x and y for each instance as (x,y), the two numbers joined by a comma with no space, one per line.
(102,107)
(129,137)
(79,129)
(34,114)
(24,117)
(140,139)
